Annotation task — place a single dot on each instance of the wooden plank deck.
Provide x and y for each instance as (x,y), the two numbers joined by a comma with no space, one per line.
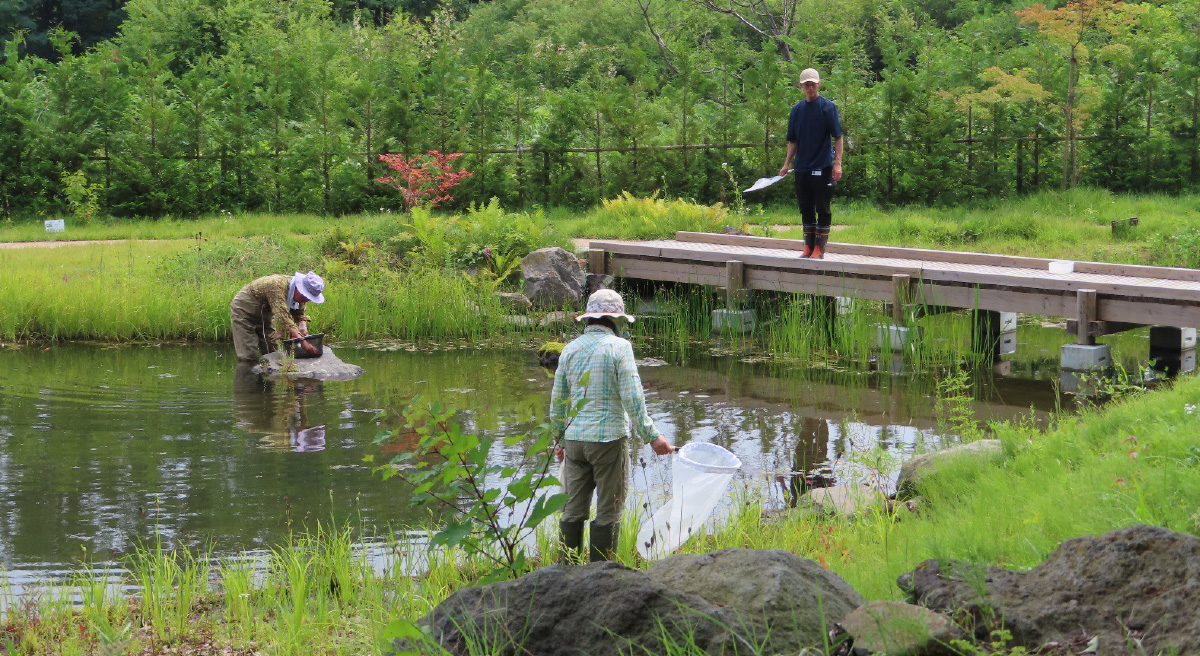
(1094,293)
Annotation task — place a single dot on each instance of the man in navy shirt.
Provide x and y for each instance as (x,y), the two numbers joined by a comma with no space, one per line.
(811,125)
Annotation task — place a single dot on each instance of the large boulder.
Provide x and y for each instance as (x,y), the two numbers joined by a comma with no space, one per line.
(778,600)
(1132,590)
(600,609)
(899,629)
(926,464)
(553,278)
(326,367)
(721,604)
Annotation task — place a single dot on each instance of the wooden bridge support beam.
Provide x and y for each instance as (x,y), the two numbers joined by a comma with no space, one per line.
(901,293)
(826,310)
(735,285)
(597,261)
(734,318)
(1085,314)
(1084,359)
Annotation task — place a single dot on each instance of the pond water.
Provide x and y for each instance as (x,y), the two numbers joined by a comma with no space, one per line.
(105,448)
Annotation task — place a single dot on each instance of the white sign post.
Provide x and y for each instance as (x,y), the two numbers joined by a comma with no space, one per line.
(55,225)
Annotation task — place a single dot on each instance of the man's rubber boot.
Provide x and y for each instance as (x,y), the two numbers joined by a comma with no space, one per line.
(818,251)
(571,535)
(810,239)
(603,540)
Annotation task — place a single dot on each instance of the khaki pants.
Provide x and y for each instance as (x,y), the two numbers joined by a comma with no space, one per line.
(251,328)
(602,467)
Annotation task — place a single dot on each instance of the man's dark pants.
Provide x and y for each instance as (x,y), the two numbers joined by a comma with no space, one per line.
(814,193)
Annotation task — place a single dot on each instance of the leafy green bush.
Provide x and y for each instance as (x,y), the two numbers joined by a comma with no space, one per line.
(485,234)
(494,509)
(627,217)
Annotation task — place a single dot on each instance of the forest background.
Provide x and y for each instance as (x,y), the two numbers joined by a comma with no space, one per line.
(189,107)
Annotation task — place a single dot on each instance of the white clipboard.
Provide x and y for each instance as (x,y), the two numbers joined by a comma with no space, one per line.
(763,183)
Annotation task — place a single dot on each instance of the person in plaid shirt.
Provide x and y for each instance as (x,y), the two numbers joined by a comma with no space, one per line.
(271,306)
(597,371)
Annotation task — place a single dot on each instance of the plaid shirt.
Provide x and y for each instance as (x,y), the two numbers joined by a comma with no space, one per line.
(613,391)
(270,295)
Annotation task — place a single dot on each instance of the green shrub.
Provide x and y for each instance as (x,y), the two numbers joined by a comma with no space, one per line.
(627,217)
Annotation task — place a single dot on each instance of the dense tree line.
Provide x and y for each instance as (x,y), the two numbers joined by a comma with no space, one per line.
(203,105)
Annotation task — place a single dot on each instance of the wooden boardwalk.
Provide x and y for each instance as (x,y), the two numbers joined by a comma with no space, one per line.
(1100,298)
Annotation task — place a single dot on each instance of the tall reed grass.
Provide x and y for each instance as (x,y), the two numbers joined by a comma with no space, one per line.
(150,291)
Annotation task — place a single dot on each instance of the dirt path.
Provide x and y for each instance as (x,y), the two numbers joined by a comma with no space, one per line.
(59,243)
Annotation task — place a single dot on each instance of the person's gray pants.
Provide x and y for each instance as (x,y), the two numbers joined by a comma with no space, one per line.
(602,467)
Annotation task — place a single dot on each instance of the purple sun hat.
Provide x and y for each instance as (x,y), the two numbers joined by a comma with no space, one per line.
(605,303)
(310,286)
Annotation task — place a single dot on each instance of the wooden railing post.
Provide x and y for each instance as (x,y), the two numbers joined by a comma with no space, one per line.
(1085,315)
(900,294)
(735,284)
(597,261)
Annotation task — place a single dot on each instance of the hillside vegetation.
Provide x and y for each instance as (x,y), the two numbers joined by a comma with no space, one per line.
(198,106)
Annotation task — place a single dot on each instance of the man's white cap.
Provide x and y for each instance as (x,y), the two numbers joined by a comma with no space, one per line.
(810,75)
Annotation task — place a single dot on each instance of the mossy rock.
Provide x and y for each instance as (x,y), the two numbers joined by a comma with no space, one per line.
(548,353)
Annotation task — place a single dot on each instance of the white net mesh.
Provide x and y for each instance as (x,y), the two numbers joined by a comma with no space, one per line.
(700,475)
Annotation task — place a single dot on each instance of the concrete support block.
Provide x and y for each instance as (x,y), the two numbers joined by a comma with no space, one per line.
(733,321)
(1078,383)
(1172,338)
(895,337)
(1173,362)
(845,305)
(1085,357)
(1008,342)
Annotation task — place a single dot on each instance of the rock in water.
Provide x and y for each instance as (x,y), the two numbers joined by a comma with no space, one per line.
(326,367)
(1135,586)
(553,278)
(776,596)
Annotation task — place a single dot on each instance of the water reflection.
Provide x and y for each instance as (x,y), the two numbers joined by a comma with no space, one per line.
(106,449)
(810,463)
(282,419)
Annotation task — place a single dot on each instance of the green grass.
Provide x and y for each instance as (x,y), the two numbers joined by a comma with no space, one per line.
(1073,224)
(1132,462)
(151,291)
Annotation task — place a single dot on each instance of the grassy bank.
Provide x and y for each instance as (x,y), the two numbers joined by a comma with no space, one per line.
(1073,224)
(153,291)
(430,276)
(1133,462)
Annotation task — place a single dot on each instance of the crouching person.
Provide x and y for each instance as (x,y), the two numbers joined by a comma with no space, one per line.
(598,370)
(269,307)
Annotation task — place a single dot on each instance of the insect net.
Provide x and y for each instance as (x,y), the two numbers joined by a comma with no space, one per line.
(700,475)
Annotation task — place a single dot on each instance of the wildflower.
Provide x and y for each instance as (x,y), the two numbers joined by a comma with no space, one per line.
(65,278)
(1189,408)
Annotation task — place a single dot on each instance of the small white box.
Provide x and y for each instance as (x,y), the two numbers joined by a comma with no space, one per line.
(1062,266)
(55,225)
